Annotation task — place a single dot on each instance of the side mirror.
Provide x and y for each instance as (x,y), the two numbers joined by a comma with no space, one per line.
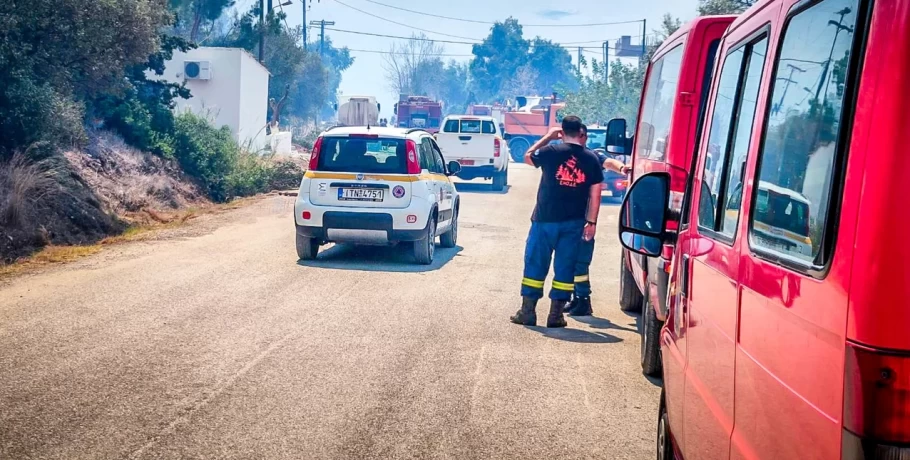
(378,107)
(643,216)
(453,168)
(335,106)
(616,136)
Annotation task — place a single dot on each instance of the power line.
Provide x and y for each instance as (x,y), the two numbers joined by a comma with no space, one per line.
(401,23)
(371,34)
(474,21)
(399,53)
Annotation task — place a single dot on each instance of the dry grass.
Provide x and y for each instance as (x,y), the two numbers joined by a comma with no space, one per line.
(54,255)
(23,185)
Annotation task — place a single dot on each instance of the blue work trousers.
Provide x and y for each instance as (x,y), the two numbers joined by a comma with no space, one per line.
(545,239)
(582,269)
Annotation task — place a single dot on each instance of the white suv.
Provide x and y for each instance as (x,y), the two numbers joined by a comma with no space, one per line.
(476,143)
(377,186)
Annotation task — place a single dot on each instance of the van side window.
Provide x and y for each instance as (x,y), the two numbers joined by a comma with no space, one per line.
(798,157)
(657,111)
(731,134)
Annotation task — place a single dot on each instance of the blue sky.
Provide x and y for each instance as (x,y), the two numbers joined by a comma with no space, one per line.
(366,76)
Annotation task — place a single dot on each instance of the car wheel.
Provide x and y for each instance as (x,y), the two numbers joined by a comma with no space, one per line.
(664,441)
(425,248)
(450,238)
(307,248)
(649,327)
(517,148)
(499,181)
(629,295)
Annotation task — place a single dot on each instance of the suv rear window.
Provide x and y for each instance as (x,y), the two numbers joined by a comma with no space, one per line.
(366,155)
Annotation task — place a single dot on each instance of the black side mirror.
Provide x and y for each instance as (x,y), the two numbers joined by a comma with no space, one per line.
(335,106)
(453,168)
(378,107)
(643,216)
(616,136)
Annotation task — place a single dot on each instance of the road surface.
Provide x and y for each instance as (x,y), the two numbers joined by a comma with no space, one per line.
(213,341)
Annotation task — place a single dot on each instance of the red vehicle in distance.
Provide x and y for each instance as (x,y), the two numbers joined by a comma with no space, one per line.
(418,112)
(672,107)
(787,335)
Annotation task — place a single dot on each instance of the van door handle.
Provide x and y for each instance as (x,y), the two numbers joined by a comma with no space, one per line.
(684,278)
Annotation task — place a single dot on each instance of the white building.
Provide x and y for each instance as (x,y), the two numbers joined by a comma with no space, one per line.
(228,86)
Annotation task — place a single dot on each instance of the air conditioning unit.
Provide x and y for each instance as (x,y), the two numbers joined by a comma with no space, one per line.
(197,70)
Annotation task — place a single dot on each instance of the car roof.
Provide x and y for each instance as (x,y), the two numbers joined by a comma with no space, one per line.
(762,185)
(470,117)
(378,130)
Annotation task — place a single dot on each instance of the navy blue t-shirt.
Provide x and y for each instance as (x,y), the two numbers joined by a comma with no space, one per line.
(567,173)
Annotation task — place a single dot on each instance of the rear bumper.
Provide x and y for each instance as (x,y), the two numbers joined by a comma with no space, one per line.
(360,227)
(474,172)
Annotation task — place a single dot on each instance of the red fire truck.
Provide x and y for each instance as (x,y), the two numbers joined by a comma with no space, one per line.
(418,112)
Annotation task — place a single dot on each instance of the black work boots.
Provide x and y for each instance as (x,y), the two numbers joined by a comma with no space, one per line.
(580,306)
(527,316)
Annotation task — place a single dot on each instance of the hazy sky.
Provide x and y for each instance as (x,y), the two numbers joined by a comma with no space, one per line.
(366,76)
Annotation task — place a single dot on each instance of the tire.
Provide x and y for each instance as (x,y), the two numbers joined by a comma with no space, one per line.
(664,440)
(450,238)
(499,181)
(649,328)
(517,148)
(629,295)
(307,248)
(425,248)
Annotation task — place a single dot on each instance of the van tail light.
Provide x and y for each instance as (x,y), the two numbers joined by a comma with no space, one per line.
(497,147)
(413,161)
(666,252)
(876,404)
(314,155)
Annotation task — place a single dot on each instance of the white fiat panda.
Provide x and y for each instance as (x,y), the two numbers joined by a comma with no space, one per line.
(377,186)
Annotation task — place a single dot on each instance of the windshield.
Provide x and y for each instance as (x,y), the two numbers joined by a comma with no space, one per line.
(366,155)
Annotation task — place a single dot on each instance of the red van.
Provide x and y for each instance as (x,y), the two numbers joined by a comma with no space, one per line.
(672,106)
(788,334)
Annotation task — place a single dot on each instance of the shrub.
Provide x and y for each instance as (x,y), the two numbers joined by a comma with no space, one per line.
(285,175)
(207,153)
(24,184)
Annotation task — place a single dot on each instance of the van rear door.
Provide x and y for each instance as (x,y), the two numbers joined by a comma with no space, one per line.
(365,171)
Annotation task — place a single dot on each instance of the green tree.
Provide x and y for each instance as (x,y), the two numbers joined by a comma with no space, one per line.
(715,7)
(56,54)
(553,66)
(194,15)
(497,58)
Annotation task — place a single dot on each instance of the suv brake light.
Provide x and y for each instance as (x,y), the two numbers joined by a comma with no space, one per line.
(497,147)
(314,155)
(876,404)
(676,201)
(413,162)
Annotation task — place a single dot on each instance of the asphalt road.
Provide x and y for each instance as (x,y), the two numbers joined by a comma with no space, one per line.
(214,342)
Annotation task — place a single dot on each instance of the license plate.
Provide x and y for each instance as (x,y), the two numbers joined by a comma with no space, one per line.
(360,194)
(606,193)
(466,162)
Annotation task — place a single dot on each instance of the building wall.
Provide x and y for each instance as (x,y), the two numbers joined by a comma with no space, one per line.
(254,112)
(238,85)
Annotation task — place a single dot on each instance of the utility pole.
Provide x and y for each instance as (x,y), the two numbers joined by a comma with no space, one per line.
(790,81)
(644,40)
(579,59)
(306,5)
(606,61)
(840,26)
(322,25)
(262,27)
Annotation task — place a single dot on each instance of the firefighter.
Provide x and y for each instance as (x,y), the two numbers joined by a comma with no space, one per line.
(568,202)
(581,300)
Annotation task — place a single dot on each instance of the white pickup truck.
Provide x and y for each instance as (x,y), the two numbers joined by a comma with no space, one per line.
(476,143)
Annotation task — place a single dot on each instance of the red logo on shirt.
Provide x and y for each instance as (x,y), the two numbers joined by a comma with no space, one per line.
(569,175)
